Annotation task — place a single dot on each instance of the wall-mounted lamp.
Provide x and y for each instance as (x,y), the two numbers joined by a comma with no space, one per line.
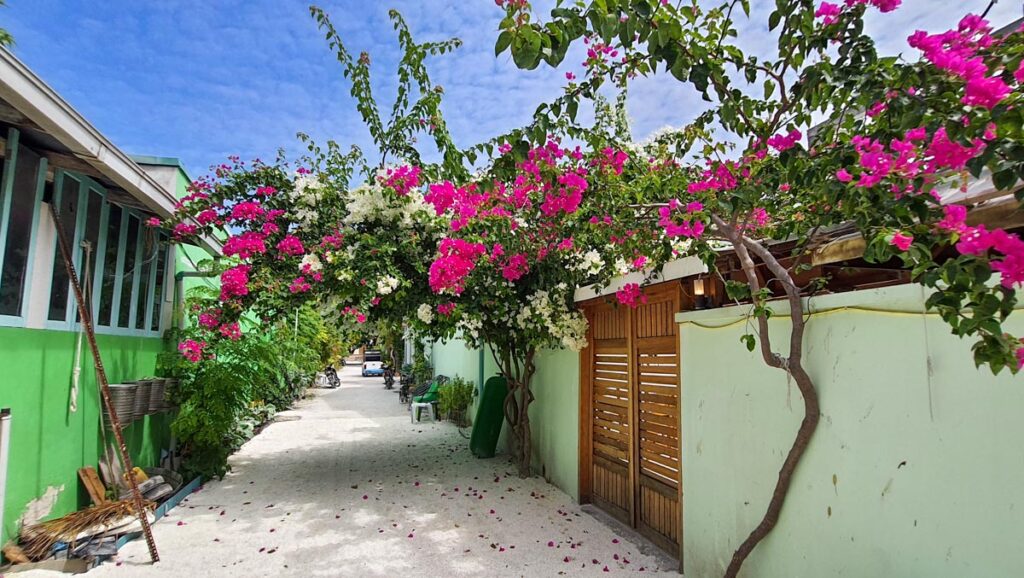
(700,301)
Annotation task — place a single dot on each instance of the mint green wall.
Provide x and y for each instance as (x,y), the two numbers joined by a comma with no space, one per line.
(555,418)
(554,413)
(454,359)
(916,468)
(48,444)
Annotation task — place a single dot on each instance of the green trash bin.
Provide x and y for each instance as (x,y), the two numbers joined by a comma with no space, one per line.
(490,414)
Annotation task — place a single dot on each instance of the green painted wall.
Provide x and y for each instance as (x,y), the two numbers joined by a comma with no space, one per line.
(49,444)
(916,468)
(188,256)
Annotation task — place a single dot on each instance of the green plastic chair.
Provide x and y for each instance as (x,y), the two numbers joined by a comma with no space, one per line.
(431,396)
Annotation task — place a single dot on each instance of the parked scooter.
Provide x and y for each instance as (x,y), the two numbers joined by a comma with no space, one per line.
(332,377)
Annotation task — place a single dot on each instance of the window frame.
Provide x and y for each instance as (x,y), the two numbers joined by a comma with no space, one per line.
(115,309)
(86,187)
(6,198)
(71,308)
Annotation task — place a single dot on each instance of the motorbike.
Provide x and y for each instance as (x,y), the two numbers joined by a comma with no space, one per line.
(332,377)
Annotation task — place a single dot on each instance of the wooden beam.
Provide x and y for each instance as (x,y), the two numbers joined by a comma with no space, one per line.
(12,116)
(72,163)
(843,249)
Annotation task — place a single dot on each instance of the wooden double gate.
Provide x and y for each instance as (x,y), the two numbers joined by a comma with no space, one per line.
(629,406)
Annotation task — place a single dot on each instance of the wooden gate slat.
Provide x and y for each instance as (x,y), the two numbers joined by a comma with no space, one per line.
(633,401)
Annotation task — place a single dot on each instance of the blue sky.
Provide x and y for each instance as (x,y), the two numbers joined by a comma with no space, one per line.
(202,79)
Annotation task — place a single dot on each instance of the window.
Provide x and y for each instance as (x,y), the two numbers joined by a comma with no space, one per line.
(20,196)
(111,266)
(148,243)
(127,272)
(161,273)
(93,227)
(66,201)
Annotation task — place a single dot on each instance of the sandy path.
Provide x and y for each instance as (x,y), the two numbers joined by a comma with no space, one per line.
(344,485)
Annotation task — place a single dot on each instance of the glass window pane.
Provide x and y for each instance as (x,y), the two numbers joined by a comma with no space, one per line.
(60,284)
(93,212)
(109,265)
(128,273)
(19,232)
(158,293)
(146,258)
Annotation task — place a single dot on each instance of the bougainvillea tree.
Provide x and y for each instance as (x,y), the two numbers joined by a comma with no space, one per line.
(820,133)
(352,234)
(520,240)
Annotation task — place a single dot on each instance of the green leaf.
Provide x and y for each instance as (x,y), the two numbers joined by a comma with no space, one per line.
(749,341)
(504,41)
(1004,179)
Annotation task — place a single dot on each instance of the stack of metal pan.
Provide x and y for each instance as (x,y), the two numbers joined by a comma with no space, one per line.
(156,396)
(142,398)
(122,397)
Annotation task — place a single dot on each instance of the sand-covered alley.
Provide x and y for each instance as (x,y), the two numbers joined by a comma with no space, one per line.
(345,485)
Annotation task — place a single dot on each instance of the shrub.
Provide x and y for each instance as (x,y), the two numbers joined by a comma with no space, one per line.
(454,398)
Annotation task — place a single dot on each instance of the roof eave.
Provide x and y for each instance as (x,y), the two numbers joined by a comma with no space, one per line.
(25,91)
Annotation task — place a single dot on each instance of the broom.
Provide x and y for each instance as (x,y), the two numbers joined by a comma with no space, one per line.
(37,540)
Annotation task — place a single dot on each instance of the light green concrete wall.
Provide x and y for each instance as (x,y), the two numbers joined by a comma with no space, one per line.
(555,419)
(916,468)
(454,359)
(48,443)
(554,414)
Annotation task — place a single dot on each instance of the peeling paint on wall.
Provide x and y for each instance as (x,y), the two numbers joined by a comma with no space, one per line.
(40,507)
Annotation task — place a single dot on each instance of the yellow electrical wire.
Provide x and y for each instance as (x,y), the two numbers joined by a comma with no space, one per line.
(824,312)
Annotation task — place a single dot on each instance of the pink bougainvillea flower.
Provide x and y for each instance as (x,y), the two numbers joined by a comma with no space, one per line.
(515,267)
(245,245)
(760,217)
(901,241)
(192,350)
(402,179)
(631,295)
(784,142)
(207,217)
(985,92)
(182,230)
(247,211)
(299,285)
(828,12)
(231,331)
(456,260)
(291,245)
(210,319)
(234,282)
(612,159)
(954,220)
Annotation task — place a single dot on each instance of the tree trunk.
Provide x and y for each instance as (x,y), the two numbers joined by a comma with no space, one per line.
(809,424)
(518,372)
(793,364)
(525,448)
